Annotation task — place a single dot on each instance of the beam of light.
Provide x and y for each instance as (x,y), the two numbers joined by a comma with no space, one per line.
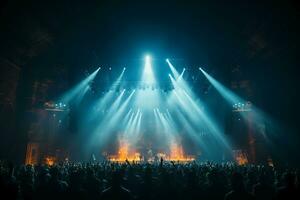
(128,123)
(184,103)
(147,99)
(136,129)
(126,102)
(179,99)
(202,116)
(134,132)
(119,112)
(173,70)
(131,128)
(103,102)
(148,75)
(174,83)
(208,121)
(170,124)
(171,121)
(80,96)
(187,111)
(79,90)
(101,132)
(168,130)
(116,104)
(138,126)
(126,118)
(173,128)
(112,110)
(171,136)
(225,92)
(189,129)
(180,83)
(183,94)
(161,124)
(257,116)
(181,75)
(118,81)
(157,122)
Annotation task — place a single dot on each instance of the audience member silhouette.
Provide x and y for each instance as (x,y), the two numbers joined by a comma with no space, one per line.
(116,191)
(8,184)
(238,189)
(264,188)
(289,189)
(215,182)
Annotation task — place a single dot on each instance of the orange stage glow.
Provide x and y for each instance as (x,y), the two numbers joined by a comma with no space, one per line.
(241,157)
(50,160)
(125,153)
(177,154)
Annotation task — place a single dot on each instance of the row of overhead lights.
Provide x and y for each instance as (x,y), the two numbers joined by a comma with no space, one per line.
(239,106)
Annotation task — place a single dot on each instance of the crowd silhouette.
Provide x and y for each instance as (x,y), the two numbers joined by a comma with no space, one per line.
(161,180)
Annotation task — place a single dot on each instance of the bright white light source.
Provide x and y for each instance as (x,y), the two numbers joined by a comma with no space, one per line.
(148,76)
(148,58)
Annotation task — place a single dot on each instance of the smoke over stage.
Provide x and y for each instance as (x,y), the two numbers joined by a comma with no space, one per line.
(165,113)
(151,118)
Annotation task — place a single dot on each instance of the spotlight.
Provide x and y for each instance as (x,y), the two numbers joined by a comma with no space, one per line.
(109,68)
(167,60)
(148,58)
(124,68)
(148,76)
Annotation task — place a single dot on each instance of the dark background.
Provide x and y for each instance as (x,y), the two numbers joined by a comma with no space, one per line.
(57,41)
